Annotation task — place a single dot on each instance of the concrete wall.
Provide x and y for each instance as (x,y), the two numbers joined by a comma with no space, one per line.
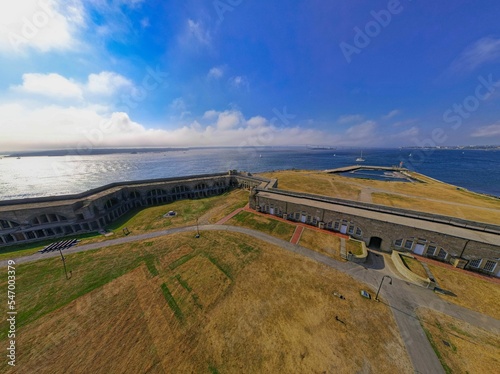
(408,274)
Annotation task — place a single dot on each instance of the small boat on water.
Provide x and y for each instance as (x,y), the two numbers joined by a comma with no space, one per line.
(360,158)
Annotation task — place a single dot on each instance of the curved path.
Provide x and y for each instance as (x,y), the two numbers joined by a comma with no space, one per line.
(403,298)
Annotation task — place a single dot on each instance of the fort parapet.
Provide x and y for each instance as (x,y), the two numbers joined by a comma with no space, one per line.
(464,243)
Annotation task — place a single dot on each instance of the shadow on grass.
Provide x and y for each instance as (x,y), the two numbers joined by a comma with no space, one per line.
(445,292)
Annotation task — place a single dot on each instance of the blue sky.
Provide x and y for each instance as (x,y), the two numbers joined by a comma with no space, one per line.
(101,73)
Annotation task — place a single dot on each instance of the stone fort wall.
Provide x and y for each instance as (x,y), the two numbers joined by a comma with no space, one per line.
(479,255)
(30,220)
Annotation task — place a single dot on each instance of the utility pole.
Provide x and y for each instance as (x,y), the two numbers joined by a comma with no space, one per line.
(197,229)
(382,281)
(64,263)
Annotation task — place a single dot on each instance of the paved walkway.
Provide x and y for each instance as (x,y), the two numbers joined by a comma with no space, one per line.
(297,234)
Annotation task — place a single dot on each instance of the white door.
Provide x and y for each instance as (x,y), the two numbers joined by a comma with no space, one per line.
(271,211)
(419,249)
(343,229)
(303,218)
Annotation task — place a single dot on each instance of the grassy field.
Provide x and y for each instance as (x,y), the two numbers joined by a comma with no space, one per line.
(270,226)
(354,247)
(461,348)
(315,183)
(321,242)
(208,210)
(223,303)
(472,292)
(414,266)
(427,195)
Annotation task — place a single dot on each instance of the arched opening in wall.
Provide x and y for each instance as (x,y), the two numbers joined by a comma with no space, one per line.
(375,242)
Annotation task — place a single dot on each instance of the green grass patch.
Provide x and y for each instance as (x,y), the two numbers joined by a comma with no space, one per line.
(150,260)
(183,283)
(171,302)
(265,224)
(245,248)
(354,246)
(42,286)
(225,269)
(181,261)
(213,370)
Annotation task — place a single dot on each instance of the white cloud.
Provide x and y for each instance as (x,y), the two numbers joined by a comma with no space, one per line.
(363,133)
(107,83)
(483,51)
(210,114)
(349,118)
(229,119)
(51,85)
(391,114)
(216,73)
(408,134)
(239,82)
(59,127)
(487,131)
(195,33)
(42,25)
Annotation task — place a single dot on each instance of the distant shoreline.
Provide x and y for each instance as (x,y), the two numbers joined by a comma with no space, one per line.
(107,151)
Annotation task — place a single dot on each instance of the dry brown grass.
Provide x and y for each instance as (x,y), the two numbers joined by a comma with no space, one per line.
(414,266)
(316,183)
(323,243)
(428,195)
(469,350)
(472,292)
(257,309)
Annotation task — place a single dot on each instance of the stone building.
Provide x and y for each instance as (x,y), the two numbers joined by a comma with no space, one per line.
(473,245)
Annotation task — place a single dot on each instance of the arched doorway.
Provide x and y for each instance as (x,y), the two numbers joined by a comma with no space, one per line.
(375,242)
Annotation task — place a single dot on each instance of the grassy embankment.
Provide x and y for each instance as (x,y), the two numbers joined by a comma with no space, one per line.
(427,195)
(267,225)
(414,266)
(222,303)
(321,242)
(471,292)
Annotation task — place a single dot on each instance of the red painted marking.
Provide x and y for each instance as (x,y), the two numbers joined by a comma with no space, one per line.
(229,216)
(296,235)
